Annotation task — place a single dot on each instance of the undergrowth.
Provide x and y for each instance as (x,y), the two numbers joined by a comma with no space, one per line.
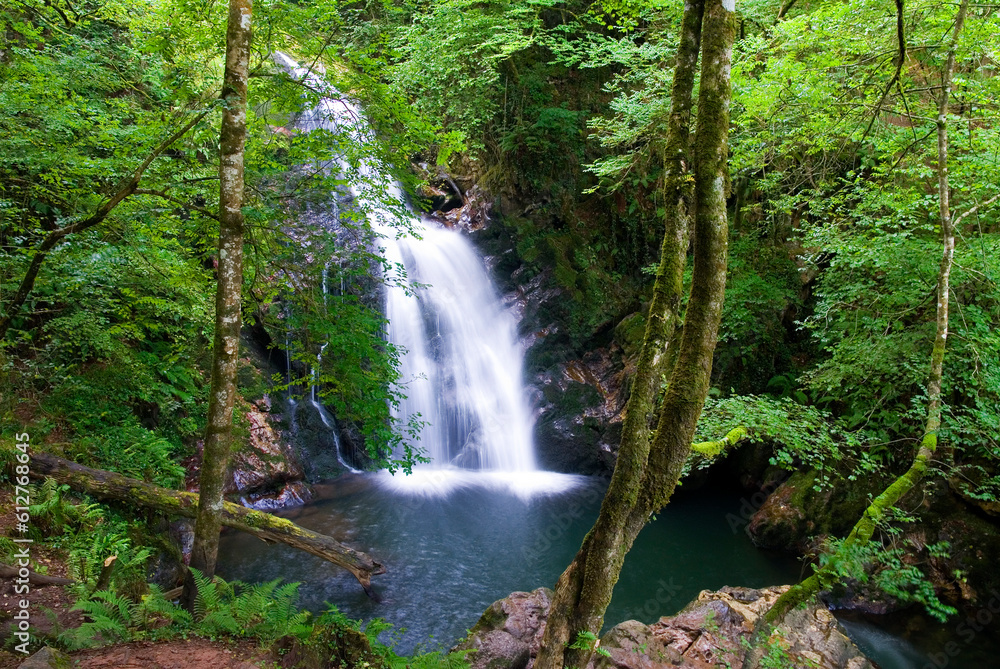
(124,607)
(267,612)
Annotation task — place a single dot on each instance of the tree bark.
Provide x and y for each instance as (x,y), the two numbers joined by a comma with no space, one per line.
(109,485)
(863,530)
(218,433)
(647,472)
(41,580)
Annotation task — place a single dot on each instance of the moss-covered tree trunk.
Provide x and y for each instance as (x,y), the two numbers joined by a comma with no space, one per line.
(647,471)
(218,433)
(864,529)
(111,485)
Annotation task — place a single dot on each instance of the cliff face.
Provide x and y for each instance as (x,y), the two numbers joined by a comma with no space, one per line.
(578,380)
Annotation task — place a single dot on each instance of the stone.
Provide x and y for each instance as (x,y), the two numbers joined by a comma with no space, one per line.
(709,632)
(580,404)
(265,463)
(506,626)
(295,493)
(47,658)
(498,650)
(631,645)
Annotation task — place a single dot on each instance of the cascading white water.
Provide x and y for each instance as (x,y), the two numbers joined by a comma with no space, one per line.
(463,362)
(461,369)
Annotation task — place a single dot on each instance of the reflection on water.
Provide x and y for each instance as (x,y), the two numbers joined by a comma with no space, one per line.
(908,640)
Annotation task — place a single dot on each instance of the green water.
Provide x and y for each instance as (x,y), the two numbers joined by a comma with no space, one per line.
(451,555)
(473,539)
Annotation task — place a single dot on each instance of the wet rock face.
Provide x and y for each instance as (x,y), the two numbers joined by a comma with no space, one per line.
(578,393)
(579,412)
(796,518)
(265,471)
(797,515)
(710,632)
(468,212)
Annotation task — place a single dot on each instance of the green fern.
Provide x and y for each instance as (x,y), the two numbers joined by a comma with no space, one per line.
(210,594)
(110,618)
(155,608)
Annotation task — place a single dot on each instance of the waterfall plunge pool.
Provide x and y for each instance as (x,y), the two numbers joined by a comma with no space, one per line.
(456,541)
(453,543)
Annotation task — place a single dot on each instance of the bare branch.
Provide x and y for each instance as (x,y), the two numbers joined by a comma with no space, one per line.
(900,58)
(976,208)
(170,198)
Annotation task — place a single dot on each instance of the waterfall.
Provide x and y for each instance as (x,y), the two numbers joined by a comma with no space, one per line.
(461,368)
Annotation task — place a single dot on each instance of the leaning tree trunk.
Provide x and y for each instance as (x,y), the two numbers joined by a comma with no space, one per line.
(218,433)
(862,532)
(646,474)
(110,485)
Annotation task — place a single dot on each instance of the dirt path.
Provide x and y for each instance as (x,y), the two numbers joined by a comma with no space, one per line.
(50,611)
(178,654)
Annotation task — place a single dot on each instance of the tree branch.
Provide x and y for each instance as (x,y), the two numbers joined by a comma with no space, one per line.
(170,198)
(900,58)
(57,235)
(110,485)
(975,209)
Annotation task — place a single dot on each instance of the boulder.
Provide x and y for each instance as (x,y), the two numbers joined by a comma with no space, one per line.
(264,472)
(510,630)
(712,631)
(264,462)
(295,493)
(47,658)
(803,510)
(498,650)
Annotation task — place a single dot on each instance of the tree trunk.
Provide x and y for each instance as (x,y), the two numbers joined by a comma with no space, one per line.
(646,473)
(109,485)
(865,527)
(41,580)
(218,433)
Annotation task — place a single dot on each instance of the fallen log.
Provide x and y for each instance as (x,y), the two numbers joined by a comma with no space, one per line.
(109,485)
(34,578)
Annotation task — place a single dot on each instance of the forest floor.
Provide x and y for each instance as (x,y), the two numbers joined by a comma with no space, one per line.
(50,612)
(191,653)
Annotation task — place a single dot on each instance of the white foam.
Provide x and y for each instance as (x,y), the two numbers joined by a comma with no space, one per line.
(442,481)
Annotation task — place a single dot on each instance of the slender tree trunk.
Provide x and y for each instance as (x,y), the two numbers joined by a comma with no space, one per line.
(218,433)
(646,473)
(864,529)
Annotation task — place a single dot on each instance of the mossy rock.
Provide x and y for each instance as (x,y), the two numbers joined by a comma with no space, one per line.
(629,333)
(47,658)
(329,646)
(797,512)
